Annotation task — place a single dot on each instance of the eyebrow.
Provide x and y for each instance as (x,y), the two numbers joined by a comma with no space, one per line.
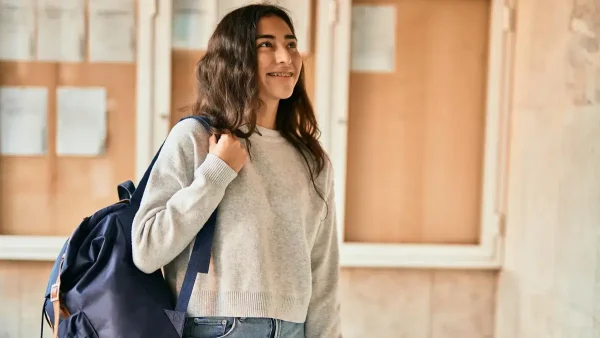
(267,36)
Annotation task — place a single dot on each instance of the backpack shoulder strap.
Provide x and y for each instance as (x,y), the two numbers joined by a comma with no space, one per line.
(201,251)
(136,197)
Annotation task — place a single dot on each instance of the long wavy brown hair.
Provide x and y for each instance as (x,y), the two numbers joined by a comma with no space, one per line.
(228,87)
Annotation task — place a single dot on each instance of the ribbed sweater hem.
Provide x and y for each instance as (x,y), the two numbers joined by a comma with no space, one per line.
(247,304)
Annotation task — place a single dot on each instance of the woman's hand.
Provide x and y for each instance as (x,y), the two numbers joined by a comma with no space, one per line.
(229,149)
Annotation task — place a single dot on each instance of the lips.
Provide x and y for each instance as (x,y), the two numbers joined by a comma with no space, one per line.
(281,74)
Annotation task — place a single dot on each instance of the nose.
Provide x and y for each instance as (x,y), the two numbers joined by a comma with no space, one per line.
(282,55)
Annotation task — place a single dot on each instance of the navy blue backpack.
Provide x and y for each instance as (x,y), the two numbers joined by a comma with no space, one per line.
(96,291)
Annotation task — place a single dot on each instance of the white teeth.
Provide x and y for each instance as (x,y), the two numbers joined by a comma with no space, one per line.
(280,74)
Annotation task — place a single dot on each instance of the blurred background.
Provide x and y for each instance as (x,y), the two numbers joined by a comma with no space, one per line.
(465,135)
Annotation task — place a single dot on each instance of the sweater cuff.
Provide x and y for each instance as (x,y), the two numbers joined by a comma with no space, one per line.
(215,170)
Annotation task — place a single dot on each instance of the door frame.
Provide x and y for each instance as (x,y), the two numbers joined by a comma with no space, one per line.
(487,254)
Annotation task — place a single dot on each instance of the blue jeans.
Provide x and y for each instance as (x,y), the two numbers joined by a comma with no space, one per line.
(221,327)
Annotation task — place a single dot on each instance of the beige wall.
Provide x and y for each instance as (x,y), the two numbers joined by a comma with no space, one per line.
(376,303)
(550,286)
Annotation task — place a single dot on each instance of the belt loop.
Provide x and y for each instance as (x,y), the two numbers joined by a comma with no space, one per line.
(277,330)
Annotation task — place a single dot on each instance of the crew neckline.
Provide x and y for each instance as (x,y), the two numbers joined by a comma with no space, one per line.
(268,134)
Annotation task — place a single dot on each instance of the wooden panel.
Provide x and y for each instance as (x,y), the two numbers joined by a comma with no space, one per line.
(50,195)
(415,136)
(184,84)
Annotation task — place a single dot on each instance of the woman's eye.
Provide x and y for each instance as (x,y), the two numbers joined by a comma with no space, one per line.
(265,44)
(292,45)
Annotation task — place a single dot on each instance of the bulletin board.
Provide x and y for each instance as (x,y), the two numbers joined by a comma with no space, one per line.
(416,121)
(51,191)
(187,50)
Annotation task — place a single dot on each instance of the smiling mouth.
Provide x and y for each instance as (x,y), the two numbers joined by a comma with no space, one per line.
(281,74)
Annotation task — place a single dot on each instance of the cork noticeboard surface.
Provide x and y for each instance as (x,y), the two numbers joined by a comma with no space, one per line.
(416,134)
(50,194)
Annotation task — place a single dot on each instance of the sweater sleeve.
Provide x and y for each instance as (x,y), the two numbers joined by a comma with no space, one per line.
(323,318)
(185,186)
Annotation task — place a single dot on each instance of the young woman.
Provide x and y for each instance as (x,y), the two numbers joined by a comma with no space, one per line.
(274,269)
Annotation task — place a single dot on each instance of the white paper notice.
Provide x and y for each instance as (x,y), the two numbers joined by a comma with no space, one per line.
(17,30)
(81,127)
(373,38)
(193,23)
(23,112)
(61,30)
(112,31)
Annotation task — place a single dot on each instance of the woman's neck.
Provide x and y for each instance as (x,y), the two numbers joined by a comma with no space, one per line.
(267,114)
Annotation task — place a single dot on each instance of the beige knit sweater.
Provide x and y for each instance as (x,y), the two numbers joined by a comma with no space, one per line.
(275,251)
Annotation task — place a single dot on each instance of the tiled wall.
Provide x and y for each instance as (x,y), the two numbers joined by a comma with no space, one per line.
(418,304)
(550,285)
(22,288)
(376,303)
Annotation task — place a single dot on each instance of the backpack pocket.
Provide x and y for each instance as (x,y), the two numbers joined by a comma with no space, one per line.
(76,326)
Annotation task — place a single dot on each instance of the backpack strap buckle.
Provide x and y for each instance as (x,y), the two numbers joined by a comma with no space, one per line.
(55,292)
(55,298)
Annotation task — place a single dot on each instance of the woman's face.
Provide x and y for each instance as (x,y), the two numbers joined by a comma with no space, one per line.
(279,62)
